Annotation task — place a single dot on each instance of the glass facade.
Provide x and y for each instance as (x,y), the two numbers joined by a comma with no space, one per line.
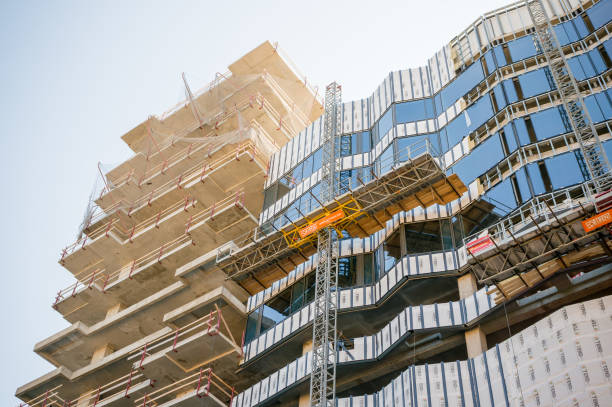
(473,125)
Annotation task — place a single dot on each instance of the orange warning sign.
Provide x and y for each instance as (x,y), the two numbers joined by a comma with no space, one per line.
(478,245)
(597,221)
(321,223)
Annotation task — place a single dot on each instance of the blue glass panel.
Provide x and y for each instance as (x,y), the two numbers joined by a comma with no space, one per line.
(479,112)
(510,91)
(608,148)
(297,173)
(571,31)
(608,47)
(600,13)
(510,139)
(582,67)
(599,107)
(438,103)
(536,179)
(489,60)
(461,85)
(534,83)
(386,160)
(521,130)
(456,130)
(410,111)
(563,170)
(270,318)
(502,196)
(500,56)
(521,178)
(547,123)
(521,48)
(485,156)
(251,326)
(499,96)
(307,171)
(403,145)
(316,160)
(385,123)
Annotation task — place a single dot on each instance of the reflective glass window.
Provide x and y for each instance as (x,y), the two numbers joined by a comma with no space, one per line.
(599,106)
(391,251)
(521,178)
(316,160)
(346,145)
(510,91)
(403,146)
(496,55)
(456,130)
(270,318)
(502,196)
(533,83)
(385,162)
(423,237)
(307,166)
(521,48)
(478,113)
(536,179)
(547,123)
(564,170)
(251,327)
(385,123)
(600,13)
(347,271)
(486,155)
(368,269)
(414,111)
(571,31)
(461,85)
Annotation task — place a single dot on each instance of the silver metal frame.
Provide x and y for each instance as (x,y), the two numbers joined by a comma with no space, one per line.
(324,333)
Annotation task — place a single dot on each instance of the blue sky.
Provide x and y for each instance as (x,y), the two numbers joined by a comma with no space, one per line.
(76,75)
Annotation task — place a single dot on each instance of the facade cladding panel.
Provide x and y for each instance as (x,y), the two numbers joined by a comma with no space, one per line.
(422,320)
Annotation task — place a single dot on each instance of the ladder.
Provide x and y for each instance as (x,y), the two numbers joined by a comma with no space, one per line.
(582,125)
(324,336)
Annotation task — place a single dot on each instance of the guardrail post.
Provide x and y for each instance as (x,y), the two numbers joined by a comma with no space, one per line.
(142,358)
(174,342)
(161,251)
(129,384)
(132,269)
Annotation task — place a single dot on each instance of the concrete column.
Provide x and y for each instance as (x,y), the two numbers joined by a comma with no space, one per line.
(114,310)
(360,269)
(403,248)
(475,338)
(101,352)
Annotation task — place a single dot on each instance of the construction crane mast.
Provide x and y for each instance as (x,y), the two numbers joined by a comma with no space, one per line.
(324,337)
(581,123)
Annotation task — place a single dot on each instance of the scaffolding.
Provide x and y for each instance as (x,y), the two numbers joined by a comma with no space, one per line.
(582,125)
(324,333)
(415,177)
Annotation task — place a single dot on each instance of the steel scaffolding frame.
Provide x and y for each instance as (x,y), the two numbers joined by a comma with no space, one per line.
(324,333)
(582,125)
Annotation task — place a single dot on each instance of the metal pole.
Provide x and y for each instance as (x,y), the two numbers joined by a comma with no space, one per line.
(324,336)
(582,125)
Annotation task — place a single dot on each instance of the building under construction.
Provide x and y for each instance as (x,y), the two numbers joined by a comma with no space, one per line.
(444,241)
